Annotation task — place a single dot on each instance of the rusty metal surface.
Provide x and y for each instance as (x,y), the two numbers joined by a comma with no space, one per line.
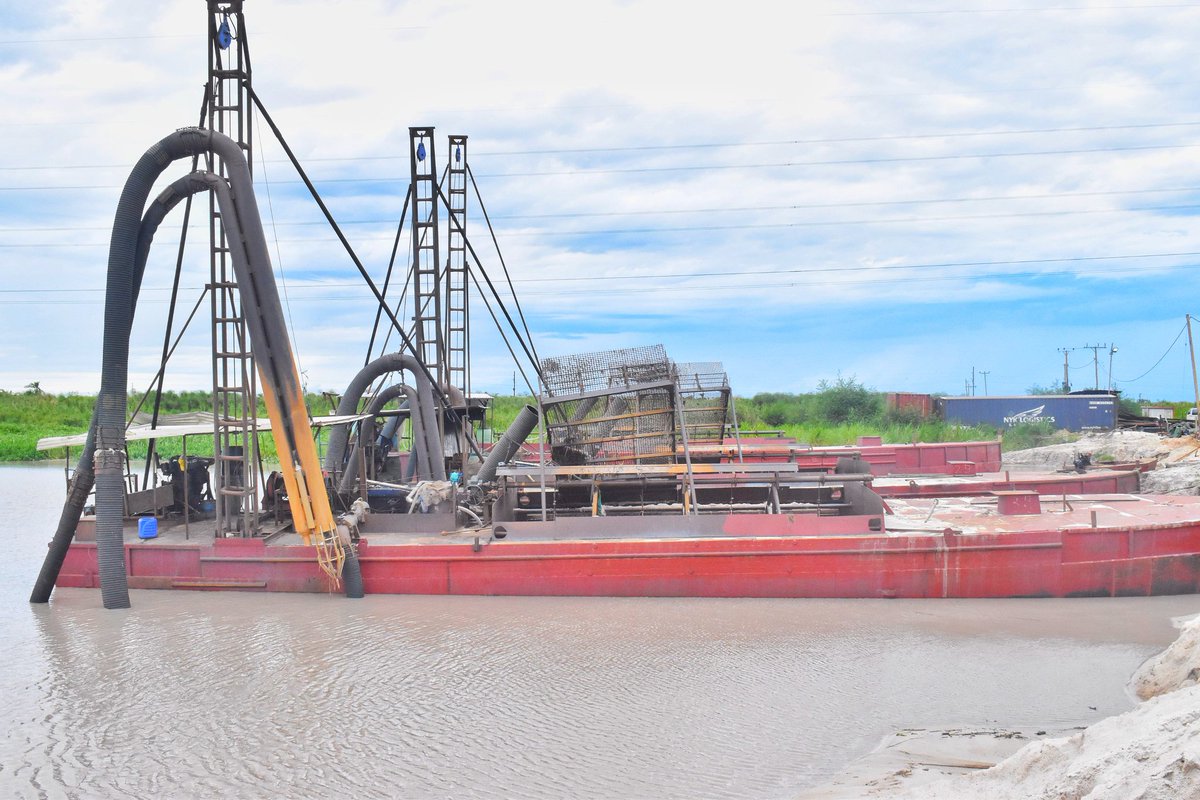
(1098,546)
(611,406)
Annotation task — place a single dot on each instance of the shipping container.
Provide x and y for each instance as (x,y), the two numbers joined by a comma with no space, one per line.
(1074,412)
(922,404)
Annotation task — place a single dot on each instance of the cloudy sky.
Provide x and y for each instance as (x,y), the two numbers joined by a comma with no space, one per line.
(897,192)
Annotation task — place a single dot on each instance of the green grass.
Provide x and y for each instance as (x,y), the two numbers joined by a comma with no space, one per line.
(1034,434)
(837,414)
(29,416)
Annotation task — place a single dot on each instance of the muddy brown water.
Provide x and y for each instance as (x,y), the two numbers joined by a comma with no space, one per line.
(251,695)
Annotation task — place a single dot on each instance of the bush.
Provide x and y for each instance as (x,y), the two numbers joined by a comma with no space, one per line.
(1030,434)
(847,400)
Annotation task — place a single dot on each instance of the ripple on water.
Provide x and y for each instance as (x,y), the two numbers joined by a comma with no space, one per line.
(249,695)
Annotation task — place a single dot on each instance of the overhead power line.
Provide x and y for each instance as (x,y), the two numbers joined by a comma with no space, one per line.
(730,227)
(683,146)
(1156,363)
(324,285)
(700,167)
(676,211)
(674,288)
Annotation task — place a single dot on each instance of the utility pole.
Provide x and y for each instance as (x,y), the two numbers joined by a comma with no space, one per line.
(1066,351)
(985,373)
(1192,351)
(972,381)
(1096,348)
(1111,352)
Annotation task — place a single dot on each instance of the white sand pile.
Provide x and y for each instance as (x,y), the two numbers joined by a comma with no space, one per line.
(1110,445)
(1181,478)
(1178,469)
(1150,753)
(1176,667)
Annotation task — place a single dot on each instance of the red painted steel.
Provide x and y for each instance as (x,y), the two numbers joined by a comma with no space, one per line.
(934,458)
(1137,548)
(1018,502)
(1094,482)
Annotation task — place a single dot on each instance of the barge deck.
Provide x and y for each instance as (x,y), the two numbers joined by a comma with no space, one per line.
(1070,546)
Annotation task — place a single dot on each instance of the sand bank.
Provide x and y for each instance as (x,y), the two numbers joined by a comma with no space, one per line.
(1149,753)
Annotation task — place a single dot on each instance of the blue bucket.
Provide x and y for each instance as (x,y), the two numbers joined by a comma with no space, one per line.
(147,528)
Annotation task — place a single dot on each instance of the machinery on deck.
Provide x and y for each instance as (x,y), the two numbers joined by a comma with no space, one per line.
(616,430)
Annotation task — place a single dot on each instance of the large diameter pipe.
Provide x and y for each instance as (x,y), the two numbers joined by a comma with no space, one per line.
(84,477)
(366,431)
(431,450)
(508,445)
(280,384)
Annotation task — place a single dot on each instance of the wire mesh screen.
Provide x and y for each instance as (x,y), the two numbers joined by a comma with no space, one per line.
(615,406)
(704,389)
(608,370)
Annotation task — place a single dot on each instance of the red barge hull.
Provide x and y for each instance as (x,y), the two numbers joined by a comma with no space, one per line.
(1077,546)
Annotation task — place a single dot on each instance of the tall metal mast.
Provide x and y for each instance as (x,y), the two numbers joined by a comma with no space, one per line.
(457,326)
(235,389)
(426,266)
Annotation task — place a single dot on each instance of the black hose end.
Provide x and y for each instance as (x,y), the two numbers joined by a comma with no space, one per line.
(352,575)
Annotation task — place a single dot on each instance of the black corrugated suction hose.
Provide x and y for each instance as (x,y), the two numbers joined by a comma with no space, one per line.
(425,408)
(352,578)
(366,433)
(84,477)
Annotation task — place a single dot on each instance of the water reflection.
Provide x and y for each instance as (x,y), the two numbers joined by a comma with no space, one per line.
(191,694)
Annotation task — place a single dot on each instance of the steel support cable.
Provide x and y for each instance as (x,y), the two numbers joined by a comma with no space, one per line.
(503,336)
(408,277)
(1156,363)
(387,279)
(401,304)
(408,342)
(249,250)
(278,255)
(99,464)
(526,347)
(152,445)
(163,365)
(500,255)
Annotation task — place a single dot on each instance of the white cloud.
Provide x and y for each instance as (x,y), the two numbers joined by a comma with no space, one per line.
(579,124)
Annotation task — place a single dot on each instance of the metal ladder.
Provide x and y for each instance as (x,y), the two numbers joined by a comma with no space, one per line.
(457,291)
(426,270)
(235,380)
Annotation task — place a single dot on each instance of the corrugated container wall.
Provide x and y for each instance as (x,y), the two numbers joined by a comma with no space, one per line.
(906,401)
(1074,412)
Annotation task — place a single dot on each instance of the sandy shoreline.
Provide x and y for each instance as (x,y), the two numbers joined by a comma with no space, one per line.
(1151,752)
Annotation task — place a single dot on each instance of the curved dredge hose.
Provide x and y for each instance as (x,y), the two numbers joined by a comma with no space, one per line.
(84,477)
(103,458)
(431,463)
